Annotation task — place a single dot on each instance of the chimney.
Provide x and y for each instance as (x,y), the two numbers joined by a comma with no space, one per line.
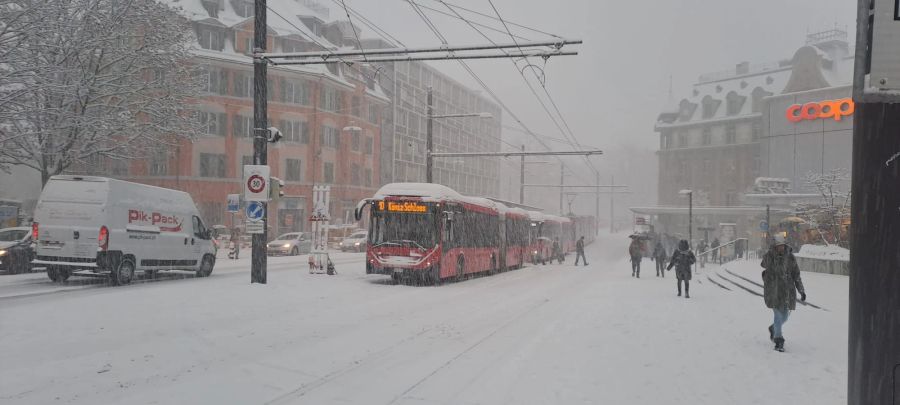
(742,68)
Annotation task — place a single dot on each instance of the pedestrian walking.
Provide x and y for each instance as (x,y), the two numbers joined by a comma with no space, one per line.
(659,254)
(702,252)
(556,252)
(781,283)
(635,250)
(235,243)
(715,251)
(579,251)
(682,260)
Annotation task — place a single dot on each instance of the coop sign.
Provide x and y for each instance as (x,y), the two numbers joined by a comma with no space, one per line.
(405,206)
(834,109)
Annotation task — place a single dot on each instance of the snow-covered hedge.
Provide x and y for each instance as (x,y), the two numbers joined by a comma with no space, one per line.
(831,252)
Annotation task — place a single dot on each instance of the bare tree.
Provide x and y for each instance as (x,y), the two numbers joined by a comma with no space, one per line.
(85,81)
(829,213)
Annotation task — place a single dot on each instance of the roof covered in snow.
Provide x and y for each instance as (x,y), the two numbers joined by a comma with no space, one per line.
(285,19)
(730,94)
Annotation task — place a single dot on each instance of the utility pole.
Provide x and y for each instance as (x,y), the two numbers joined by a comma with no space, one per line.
(691,219)
(260,141)
(522,178)
(562,182)
(598,194)
(874,319)
(612,202)
(429,137)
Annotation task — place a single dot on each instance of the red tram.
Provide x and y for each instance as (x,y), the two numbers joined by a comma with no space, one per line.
(431,233)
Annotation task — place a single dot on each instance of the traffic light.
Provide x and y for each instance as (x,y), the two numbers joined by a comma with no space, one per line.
(276,190)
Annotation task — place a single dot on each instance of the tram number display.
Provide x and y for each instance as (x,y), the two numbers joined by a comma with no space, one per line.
(402,206)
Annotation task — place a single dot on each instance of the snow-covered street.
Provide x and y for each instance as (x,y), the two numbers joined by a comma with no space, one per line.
(554,334)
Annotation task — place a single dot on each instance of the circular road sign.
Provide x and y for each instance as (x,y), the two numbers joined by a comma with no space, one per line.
(256,183)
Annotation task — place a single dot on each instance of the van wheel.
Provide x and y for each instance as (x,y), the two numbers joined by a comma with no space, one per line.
(206,266)
(460,269)
(53,273)
(123,273)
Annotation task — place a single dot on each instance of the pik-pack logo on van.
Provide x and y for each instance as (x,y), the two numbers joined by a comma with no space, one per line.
(836,109)
(166,223)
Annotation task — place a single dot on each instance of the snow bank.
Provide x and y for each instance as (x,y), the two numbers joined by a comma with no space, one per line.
(830,252)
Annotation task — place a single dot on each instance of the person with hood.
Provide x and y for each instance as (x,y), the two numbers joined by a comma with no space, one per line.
(682,260)
(555,251)
(781,283)
(659,254)
(635,251)
(579,251)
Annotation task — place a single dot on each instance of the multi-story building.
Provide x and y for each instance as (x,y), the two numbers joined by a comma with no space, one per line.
(403,153)
(330,116)
(740,126)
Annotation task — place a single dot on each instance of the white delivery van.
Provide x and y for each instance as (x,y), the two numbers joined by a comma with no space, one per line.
(99,226)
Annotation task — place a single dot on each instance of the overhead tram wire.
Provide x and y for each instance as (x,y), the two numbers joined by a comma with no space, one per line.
(455,121)
(381,32)
(448,4)
(353,28)
(543,86)
(434,10)
(533,91)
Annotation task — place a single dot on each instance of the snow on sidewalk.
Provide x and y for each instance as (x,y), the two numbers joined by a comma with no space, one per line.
(554,334)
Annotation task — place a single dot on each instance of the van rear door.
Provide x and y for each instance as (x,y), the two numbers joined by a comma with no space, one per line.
(69,214)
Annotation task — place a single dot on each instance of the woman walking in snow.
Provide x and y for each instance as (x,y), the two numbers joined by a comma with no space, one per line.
(659,254)
(781,283)
(682,260)
(635,250)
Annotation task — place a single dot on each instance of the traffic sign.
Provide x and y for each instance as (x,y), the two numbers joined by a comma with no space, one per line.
(253,227)
(234,202)
(763,226)
(255,211)
(256,183)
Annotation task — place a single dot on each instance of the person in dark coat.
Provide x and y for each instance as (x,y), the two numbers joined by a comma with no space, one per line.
(659,254)
(635,251)
(715,251)
(682,260)
(781,283)
(579,251)
(555,251)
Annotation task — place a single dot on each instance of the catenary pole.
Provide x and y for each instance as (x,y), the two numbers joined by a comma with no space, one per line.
(429,137)
(562,182)
(522,178)
(612,202)
(260,141)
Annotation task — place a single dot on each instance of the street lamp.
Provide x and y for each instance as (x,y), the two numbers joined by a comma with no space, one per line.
(690,194)
(429,132)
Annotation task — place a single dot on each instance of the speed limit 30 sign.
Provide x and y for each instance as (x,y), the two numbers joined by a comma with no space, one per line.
(256,183)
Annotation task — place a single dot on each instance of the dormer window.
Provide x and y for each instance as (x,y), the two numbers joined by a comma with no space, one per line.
(686,110)
(758,94)
(210,38)
(243,8)
(710,106)
(212,7)
(734,103)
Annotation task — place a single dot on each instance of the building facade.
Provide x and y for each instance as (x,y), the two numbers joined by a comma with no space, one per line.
(330,116)
(403,152)
(743,127)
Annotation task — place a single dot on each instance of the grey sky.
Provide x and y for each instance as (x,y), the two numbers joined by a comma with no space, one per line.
(612,92)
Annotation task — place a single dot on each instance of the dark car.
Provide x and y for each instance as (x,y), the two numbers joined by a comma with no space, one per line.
(16,250)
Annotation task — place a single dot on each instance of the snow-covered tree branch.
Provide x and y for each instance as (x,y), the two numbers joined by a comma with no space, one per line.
(828,215)
(84,81)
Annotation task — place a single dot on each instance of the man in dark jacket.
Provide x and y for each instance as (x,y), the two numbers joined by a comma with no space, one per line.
(682,260)
(579,251)
(715,251)
(635,250)
(781,283)
(659,254)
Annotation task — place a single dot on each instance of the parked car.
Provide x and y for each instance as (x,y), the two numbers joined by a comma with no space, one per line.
(16,250)
(293,244)
(98,225)
(355,242)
